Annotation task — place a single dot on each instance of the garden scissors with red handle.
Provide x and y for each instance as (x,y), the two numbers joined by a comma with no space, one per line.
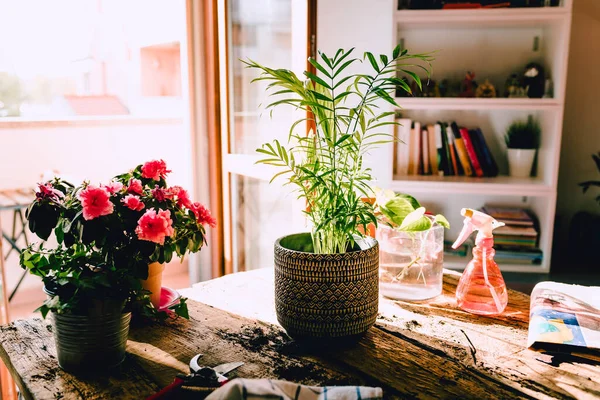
(209,377)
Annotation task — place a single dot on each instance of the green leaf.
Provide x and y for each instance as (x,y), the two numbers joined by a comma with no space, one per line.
(396,52)
(317,79)
(372,61)
(319,67)
(416,221)
(441,220)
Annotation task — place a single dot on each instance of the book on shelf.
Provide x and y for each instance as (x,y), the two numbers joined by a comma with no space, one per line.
(402,146)
(461,150)
(441,149)
(425,152)
(565,318)
(433,159)
(486,159)
(533,256)
(509,215)
(464,133)
(452,150)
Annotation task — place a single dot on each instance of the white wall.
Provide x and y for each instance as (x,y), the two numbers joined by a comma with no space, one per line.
(87,150)
(581,129)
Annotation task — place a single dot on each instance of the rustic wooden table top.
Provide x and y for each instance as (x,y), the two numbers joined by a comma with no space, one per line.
(421,350)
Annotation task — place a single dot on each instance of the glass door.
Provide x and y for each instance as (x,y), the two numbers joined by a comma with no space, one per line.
(276,33)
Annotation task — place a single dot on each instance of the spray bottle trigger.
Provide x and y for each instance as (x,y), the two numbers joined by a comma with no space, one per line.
(464,233)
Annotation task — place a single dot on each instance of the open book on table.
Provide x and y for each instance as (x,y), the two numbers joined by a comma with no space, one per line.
(565,319)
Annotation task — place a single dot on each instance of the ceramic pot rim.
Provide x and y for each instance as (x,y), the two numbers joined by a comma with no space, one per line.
(372,242)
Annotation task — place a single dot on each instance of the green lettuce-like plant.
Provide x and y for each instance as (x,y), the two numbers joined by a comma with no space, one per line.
(404,213)
(326,166)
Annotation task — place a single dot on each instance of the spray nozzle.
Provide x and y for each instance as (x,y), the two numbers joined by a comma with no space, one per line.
(478,221)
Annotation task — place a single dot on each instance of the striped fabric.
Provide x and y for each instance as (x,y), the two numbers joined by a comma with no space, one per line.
(250,389)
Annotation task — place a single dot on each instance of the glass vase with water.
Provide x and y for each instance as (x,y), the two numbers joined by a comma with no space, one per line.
(410,263)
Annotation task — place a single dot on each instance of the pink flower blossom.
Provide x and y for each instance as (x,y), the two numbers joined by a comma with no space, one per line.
(183,198)
(47,191)
(155,169)
(155,227)
(159,194)
(95,202)
(203,215)
(135,186)
(133,202)
(113,187)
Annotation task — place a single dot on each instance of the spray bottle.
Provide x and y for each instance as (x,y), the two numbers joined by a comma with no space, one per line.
(481,289)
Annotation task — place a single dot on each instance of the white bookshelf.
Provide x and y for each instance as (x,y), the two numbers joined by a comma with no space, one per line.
(494,43)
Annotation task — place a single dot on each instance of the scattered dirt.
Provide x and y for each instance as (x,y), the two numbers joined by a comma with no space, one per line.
(285,353)
(412,324)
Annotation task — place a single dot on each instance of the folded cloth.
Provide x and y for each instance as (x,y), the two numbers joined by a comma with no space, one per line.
(248,389)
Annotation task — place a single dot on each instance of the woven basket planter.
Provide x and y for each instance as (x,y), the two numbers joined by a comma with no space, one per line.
(325,295)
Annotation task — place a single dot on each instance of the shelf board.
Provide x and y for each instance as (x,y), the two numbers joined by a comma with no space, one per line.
(500,185)
(458,263)
(471,18)
(460,103)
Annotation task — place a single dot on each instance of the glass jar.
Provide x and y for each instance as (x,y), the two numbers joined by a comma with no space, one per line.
(411,263)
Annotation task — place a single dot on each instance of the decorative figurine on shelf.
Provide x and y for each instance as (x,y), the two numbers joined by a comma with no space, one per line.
(468,86)
(548,89)
(444,88)
(534,80)
(430,89)
(513,87)
(486,90)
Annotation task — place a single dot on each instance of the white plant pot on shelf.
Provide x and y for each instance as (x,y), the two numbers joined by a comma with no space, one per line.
(520,162)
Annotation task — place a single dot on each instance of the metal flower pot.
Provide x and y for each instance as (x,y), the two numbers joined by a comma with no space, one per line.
(91,342)
(325,295)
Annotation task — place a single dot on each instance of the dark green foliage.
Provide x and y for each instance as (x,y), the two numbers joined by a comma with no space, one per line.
(523,134)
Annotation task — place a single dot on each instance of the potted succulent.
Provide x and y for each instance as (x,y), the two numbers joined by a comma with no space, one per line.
(522,140)
(326,281)
(411,247)
(107,236)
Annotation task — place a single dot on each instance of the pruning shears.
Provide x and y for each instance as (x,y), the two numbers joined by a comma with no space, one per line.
(200,376)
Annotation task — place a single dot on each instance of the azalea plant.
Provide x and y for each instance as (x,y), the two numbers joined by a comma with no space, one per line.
(326,166)
(107,235)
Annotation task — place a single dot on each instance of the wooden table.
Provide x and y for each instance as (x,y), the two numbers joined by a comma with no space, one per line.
(416,350)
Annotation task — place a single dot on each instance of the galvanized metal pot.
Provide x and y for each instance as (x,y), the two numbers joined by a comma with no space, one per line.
(90,342)
(325,295)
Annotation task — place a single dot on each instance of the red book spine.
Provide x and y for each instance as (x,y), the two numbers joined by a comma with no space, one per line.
(464,133)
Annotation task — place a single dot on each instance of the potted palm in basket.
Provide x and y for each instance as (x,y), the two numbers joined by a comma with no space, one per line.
(107,239)
(326,281)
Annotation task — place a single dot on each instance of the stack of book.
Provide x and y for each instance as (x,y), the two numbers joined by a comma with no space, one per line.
(442,149)
(516,242)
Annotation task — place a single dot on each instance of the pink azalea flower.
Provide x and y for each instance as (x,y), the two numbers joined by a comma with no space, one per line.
(154,227)
(95,202)
(159,193)
(113,187)
(133,202)
(135,186)
(47,191)
(183,198)
(155,169)
(203,215)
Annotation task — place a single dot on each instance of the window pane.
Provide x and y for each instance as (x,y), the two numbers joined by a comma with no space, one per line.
(264,212)
(261,31)
(91,58)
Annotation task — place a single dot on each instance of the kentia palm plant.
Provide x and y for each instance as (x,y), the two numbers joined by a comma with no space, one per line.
(327,164)
(337,278)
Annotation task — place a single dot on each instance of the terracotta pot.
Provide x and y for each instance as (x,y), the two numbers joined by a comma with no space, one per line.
(154,282)
(325,295)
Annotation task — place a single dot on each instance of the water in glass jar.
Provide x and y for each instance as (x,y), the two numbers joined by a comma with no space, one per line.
(410,265)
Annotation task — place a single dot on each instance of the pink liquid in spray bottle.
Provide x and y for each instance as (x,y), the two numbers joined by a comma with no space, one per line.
(481,289)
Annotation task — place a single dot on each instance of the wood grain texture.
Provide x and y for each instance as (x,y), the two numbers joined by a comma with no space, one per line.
(416,350)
